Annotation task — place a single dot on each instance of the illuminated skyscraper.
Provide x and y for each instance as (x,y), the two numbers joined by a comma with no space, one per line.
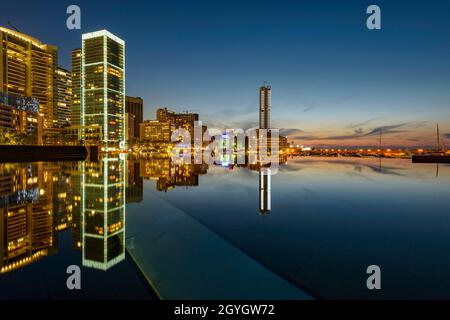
(64,96)
(28,69)
(75,114)
(103,86)
(264,106)
(134,107)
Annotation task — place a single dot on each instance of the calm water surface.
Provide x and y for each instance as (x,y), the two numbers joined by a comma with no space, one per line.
(317,225)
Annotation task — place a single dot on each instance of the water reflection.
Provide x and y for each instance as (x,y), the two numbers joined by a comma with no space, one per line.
(88,199)
(103,212)
(169,175)
(265,200)
(29,196)
(39,200)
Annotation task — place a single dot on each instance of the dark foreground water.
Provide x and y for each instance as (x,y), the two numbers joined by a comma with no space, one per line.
(213,232)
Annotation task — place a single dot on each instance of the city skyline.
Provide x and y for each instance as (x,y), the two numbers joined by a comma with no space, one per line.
(225,151)
(340,92)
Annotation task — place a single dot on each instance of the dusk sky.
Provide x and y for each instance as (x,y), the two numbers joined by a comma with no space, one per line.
(334,82)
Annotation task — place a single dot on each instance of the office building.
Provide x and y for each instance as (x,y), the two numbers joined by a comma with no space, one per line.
(75,114)
(28,68)
(19,117)
(154,131)
(63,96)
(184,120)
(103,87)
(283,143)
(264,106)
(134,106)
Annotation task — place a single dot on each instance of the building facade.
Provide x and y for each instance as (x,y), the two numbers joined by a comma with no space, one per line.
(265,93)
(28,68)
(19,117)
(184,120)
(64,96)
(283,143)
(103,86)
(154,131)
(75,112)
(134,106)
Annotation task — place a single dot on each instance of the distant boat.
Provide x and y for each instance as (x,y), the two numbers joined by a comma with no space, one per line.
(438,156)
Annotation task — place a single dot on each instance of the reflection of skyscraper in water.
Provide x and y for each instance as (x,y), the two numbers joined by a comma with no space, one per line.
(169,175)
(263,146)
(26,215)
(134,188)
(264,191)
(103,213)
(74,170)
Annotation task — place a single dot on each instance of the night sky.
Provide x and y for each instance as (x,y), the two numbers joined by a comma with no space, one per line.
(334,82)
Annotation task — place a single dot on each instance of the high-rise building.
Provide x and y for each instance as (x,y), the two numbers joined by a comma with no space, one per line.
(129,127)
(264,106)
(184,120)
(75,114)
(19,116)
(154,131)
(28,68)
(134,107)
(103,86)
(64,96)
(283,143)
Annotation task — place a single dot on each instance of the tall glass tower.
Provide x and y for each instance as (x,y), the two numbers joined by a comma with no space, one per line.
(103,87)
(264,106)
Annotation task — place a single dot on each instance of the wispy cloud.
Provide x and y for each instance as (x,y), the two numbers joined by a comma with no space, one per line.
(447,135)
(362,133)
(312,106)
(361,124)
(386,130)
(290,132)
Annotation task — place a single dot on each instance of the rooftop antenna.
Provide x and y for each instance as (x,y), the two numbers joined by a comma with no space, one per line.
(11,25)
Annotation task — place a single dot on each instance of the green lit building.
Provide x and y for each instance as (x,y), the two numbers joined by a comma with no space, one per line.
(103,87)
